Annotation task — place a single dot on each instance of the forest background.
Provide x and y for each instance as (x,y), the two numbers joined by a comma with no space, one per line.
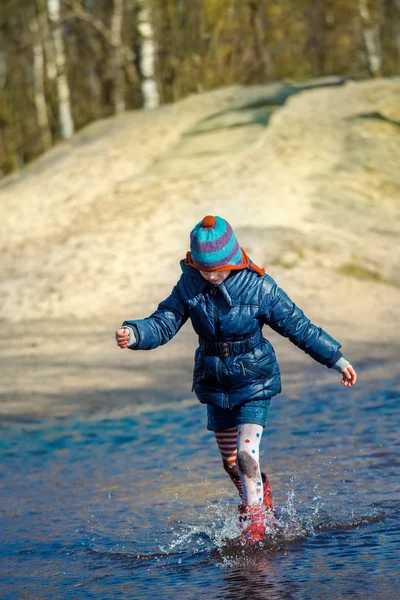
(64,64)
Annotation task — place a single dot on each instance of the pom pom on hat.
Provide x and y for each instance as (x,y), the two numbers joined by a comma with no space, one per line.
(208,221)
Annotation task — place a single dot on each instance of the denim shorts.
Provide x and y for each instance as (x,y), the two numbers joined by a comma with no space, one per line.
(254,411)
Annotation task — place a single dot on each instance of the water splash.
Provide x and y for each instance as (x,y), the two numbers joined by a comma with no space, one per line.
(219,527)
(217,530)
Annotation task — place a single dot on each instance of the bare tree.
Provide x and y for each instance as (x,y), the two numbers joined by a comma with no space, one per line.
(47,40)
(38,83)
(397,27)
(64,102)
(316,44)
(371,36)
(260,30)
(147,54)
(121,56)
(116,56)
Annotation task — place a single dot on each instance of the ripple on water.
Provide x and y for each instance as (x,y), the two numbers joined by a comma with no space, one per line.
(141,506)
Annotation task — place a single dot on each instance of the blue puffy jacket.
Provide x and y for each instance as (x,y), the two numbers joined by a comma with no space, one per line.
(234,363)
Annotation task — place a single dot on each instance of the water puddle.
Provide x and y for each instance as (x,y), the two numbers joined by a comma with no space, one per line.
(141,505)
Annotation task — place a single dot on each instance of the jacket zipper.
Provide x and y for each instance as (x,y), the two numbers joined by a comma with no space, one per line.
(217,332)
(216,316)
(250,367)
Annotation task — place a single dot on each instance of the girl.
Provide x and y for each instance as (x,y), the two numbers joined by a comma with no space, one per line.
(229,300)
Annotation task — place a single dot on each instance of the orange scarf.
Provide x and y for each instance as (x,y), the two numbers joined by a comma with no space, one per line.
(246,263)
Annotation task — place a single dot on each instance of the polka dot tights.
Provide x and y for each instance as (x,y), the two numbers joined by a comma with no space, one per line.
(239,447)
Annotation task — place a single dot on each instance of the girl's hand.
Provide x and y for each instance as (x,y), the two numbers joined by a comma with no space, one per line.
(349,376)
(122,337)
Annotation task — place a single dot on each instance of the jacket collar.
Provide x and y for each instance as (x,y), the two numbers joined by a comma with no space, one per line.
(228,298)
(227,287)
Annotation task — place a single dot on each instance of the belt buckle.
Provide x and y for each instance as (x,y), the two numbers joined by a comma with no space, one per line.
(224,349)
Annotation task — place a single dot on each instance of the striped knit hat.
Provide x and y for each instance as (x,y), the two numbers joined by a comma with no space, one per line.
(214,247)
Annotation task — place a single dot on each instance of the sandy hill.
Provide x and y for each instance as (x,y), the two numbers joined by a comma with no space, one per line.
(93,231)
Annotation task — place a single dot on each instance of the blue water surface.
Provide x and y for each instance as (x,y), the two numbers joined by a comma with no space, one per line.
(139,507)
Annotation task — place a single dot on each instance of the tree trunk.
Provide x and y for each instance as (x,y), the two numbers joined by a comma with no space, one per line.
(260,29)
(64,103)
(397,28)
(147,53)
(316,45)
(371,36)
(38,85)
(47,41)
(116,56)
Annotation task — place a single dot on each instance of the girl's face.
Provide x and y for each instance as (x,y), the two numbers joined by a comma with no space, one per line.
(215,277)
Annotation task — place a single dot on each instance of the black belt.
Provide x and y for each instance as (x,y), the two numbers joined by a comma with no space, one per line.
(225,349)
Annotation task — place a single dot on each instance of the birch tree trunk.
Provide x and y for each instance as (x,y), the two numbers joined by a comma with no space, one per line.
(47,41)
(38,84)
(147,56)
(116,56)
(64,102)
(371,36)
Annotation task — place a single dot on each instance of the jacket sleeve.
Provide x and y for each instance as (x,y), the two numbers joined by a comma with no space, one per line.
(160,327)
(282,315)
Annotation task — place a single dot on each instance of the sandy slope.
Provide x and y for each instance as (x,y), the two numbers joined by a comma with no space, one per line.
(93,232)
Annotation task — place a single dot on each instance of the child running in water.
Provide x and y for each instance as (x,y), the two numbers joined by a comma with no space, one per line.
(229,300)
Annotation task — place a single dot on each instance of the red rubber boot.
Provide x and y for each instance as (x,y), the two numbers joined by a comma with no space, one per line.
(257,516)
(269,516)
(254,530)
(267,496)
